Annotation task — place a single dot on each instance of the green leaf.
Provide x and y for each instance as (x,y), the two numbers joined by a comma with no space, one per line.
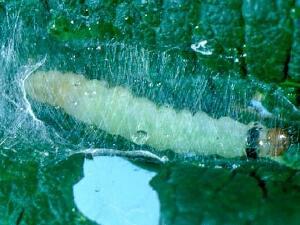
(294,65)
(251,194)
(268,34)
(219,28)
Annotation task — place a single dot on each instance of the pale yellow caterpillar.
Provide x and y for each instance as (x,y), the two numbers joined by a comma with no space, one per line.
(117,111)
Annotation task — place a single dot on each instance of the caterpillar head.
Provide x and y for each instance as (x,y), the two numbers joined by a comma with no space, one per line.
(278,140)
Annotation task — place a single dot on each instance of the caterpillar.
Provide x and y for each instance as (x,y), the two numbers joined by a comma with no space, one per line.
(117,111)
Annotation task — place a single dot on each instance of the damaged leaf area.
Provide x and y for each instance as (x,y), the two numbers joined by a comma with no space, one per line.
(34,194)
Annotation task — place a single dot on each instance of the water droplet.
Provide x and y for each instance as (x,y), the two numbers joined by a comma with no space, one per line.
(235,166)
(140,137)
(72,22)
